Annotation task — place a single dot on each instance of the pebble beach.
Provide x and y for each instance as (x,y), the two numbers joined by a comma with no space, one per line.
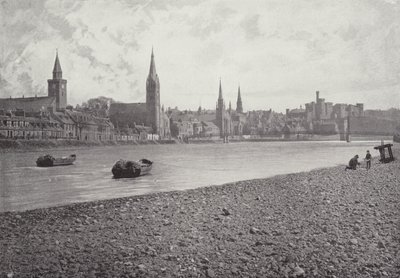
(323,223)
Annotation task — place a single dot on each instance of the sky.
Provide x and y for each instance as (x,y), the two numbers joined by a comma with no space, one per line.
(279,51)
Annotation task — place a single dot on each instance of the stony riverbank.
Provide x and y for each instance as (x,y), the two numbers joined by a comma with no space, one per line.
(323,223)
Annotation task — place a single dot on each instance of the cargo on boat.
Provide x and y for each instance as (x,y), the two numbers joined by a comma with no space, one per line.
(131,169)
(50,161)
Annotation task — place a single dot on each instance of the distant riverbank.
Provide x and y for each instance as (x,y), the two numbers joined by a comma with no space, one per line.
(10,145)
(30,145)
(323,223)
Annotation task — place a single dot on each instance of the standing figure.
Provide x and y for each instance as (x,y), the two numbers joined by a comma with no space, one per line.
(368,160)
(353,163)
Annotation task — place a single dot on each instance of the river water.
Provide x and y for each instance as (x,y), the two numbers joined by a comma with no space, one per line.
(24,186)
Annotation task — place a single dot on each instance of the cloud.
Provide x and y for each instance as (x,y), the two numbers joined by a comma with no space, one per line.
(250,26)
(279,51)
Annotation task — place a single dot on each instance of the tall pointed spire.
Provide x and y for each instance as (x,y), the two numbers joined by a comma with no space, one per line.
(220,89)
(239,105)
(152,71)
(153,98)
(57,86)
(57,72)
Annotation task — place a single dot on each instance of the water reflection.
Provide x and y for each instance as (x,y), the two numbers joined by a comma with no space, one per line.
(176,167)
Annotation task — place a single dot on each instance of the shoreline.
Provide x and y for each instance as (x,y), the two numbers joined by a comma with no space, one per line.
(322,223)
(7,145)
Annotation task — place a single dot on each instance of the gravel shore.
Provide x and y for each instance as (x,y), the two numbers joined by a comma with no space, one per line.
(323,223)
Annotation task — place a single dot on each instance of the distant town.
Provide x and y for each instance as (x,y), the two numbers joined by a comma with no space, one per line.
(103,119)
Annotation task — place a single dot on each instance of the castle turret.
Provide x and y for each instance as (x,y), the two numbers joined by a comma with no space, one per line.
(153,97)
(57,87)
(239,105)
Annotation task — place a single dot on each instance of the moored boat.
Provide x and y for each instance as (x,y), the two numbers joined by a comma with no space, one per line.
(131,169)
(50,161)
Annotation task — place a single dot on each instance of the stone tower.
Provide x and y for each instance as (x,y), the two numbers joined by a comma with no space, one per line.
(239,105)
(220,111)
(153,97)
(57,87)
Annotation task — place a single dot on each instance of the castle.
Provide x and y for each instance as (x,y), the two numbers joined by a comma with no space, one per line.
(151,114)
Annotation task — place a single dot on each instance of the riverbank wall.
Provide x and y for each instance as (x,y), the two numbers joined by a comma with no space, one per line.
(323,223)
(10,145)
(29,145)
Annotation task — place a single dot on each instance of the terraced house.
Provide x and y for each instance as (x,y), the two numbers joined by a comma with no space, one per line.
(17,125)
(89,128)
(49,117)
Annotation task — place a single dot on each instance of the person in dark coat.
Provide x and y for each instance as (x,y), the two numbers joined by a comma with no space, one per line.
(353,163)
(368,158)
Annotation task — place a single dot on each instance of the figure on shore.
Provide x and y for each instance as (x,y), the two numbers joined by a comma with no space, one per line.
(353,163)
(368,160)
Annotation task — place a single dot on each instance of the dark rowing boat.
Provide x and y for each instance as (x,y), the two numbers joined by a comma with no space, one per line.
(131,169)
(50,161)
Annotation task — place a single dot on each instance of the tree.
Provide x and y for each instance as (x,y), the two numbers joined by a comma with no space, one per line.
(98,107)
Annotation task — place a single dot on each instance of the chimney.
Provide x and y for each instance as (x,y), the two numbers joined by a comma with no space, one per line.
(287,111)
(317,93)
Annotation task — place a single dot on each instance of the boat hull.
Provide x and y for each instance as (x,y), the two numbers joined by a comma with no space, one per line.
(131,169)
(49,161)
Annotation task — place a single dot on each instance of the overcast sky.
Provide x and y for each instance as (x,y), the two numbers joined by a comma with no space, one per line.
(280,52)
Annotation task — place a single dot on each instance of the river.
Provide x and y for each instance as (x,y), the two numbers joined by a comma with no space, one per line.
(24,186)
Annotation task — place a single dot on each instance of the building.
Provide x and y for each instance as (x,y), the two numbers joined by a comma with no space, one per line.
(90,128)
(19,125)
(238,118)
(150,114)
(57,87)
(47,117)
(223,118)
(321,110)
(185,128)
(239,104)
(67,124)
(209,129)
(56,98)
(321,117)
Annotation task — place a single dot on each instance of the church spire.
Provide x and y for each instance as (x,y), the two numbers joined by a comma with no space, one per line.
(220,89)
(57,72)
(153,103)
(239,105)
(152,71)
